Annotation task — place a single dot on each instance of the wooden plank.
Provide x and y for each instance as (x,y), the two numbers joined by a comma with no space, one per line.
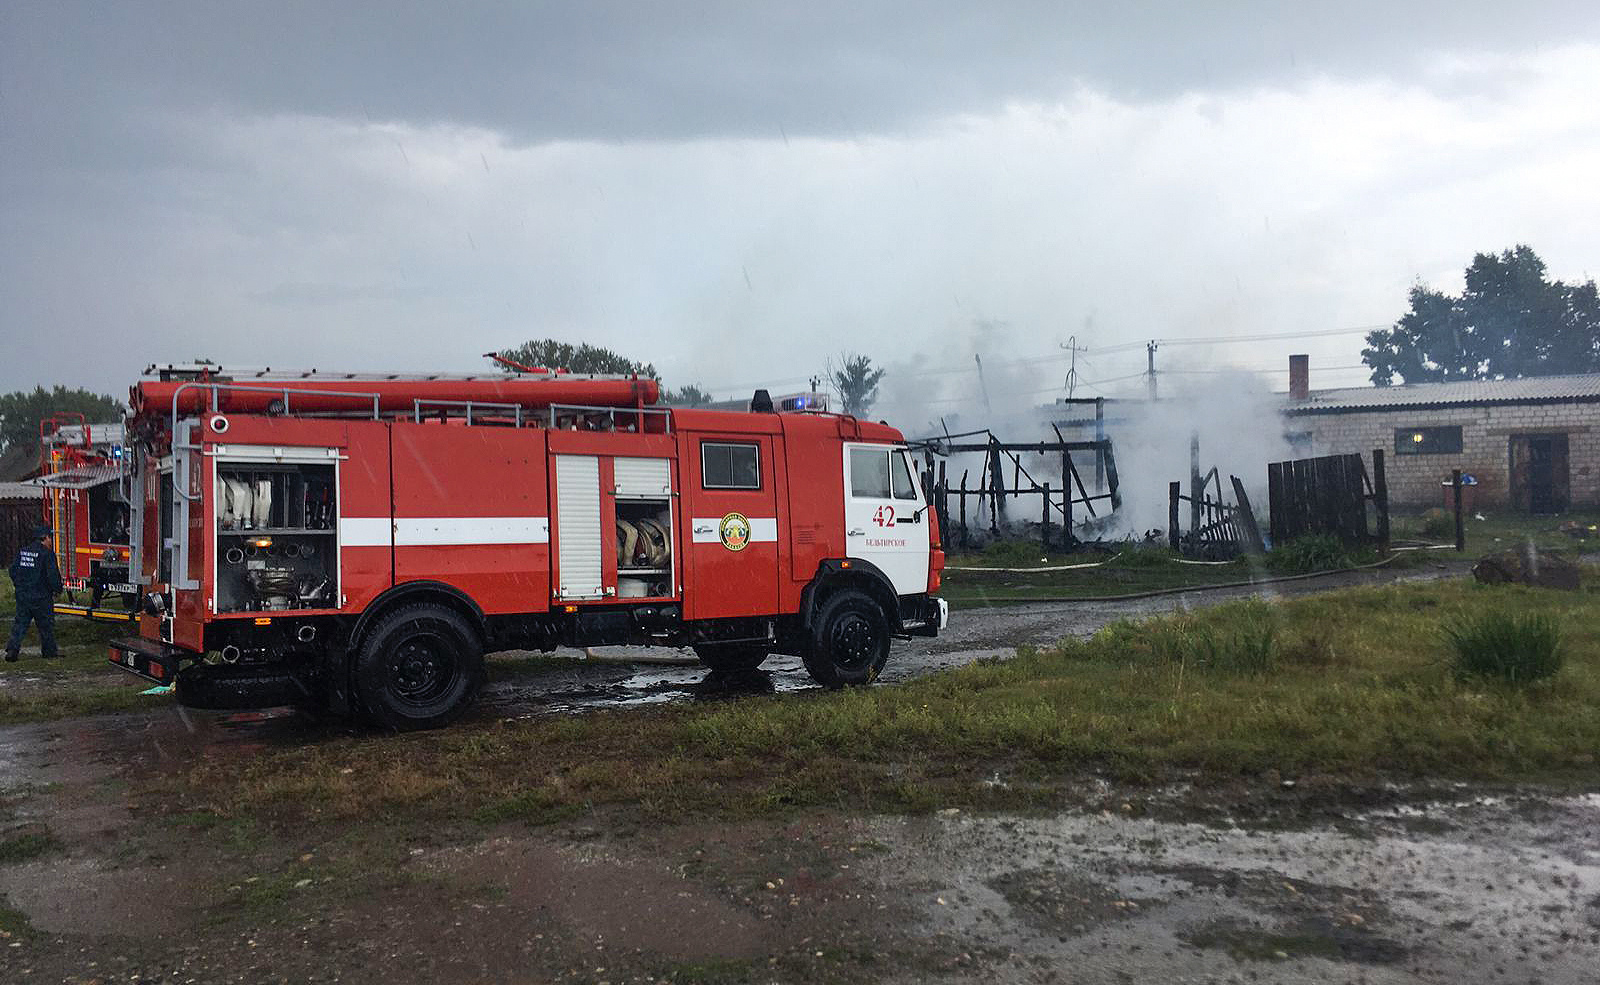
(1275,501)
(1174,536)
(1246,519)
(1380,496)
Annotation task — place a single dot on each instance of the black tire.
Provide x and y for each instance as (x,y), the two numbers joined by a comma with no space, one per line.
(731,658)
(420,667)
(849,641)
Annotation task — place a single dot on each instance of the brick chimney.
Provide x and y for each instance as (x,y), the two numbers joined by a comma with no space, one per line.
(1299,377)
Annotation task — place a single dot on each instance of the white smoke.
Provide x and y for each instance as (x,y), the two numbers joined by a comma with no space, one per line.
(1238,421)
(1235,415)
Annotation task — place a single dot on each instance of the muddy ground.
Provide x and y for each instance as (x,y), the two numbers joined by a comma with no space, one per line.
(1286,879)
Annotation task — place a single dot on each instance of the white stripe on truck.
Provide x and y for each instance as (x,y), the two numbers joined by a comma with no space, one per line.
(443,531)
(708,530)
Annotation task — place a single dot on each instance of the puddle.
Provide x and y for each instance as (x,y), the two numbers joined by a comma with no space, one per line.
(1505,889)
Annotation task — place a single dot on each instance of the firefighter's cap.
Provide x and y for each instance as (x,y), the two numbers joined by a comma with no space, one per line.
(43,532)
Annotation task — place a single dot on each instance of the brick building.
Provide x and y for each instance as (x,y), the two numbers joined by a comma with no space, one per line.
(1533,444)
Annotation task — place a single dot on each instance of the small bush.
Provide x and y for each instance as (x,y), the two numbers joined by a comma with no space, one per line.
(1241,639)
(1438,523)
(1515,648)
(1318,552)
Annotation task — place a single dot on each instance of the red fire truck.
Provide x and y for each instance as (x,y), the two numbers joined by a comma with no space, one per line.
(86,503)
(360,542)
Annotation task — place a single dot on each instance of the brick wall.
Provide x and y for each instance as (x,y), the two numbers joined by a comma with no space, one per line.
(1485,433)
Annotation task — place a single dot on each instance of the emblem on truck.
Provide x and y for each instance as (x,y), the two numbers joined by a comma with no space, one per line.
(735,531)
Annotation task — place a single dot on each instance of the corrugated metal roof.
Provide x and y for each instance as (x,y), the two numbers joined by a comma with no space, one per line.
(1529,389)
(20,490)
(82,477)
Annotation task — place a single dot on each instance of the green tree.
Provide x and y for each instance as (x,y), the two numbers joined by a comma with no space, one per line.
(857,382)
(22,411)
(582,358)
(691,395)
(586,358)
(1510,320)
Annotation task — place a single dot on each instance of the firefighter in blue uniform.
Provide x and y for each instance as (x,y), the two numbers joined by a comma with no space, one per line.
(38,580)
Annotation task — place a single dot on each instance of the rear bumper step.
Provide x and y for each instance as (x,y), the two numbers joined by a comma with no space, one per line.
(98,615)
(153,661)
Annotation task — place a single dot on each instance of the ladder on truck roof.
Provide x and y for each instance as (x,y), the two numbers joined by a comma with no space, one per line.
(203,372)
(278,399)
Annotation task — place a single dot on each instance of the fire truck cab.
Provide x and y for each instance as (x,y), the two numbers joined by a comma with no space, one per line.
(361,542)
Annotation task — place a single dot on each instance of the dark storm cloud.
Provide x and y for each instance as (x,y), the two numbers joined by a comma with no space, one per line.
(74,74)
(722,188)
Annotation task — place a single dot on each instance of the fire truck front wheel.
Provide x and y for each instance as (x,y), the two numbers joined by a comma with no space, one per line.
(849,641)
(420,667)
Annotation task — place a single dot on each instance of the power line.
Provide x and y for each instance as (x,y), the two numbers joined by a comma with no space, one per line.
(1222,339)
(1098,351)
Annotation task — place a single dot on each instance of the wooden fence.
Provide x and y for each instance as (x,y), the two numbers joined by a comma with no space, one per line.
(1328,495)
(1217,530)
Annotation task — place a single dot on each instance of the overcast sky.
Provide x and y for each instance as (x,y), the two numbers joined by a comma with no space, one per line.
(738,191)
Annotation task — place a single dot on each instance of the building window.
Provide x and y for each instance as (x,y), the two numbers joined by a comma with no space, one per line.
(1427,441)
(728,466)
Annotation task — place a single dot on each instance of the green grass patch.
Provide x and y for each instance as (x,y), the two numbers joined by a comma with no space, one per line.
(78,682)
(1355,683)
(1500,529)
(69,701)
(27,845)
(1515,647)
(1318,552)
(713,971)
(1137,568)
(14,923)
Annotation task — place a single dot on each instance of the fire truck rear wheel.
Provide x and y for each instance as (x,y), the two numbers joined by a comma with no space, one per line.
(849,641)
(420,667)
(731,658)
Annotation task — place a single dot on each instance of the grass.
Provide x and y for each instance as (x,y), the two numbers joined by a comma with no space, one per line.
(1354,683)
(14,923)
(27,845)
(1319,552)
(1139,568)
(1136,569)
(1499,529)
(1513,647)
(78,682)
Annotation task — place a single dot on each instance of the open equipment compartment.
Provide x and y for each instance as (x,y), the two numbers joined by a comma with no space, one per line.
(277,538)
(645,543)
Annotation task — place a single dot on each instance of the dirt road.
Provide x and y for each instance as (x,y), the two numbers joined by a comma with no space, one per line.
(1282,879)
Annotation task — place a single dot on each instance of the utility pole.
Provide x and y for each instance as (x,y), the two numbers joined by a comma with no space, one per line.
(1150,372)
(982,385)
(1072,346)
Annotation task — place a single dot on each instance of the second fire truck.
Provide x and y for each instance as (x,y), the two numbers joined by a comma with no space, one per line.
(360,542)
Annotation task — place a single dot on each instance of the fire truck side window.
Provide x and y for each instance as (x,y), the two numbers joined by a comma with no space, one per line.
(905,487)
(729,466)
(869,473)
